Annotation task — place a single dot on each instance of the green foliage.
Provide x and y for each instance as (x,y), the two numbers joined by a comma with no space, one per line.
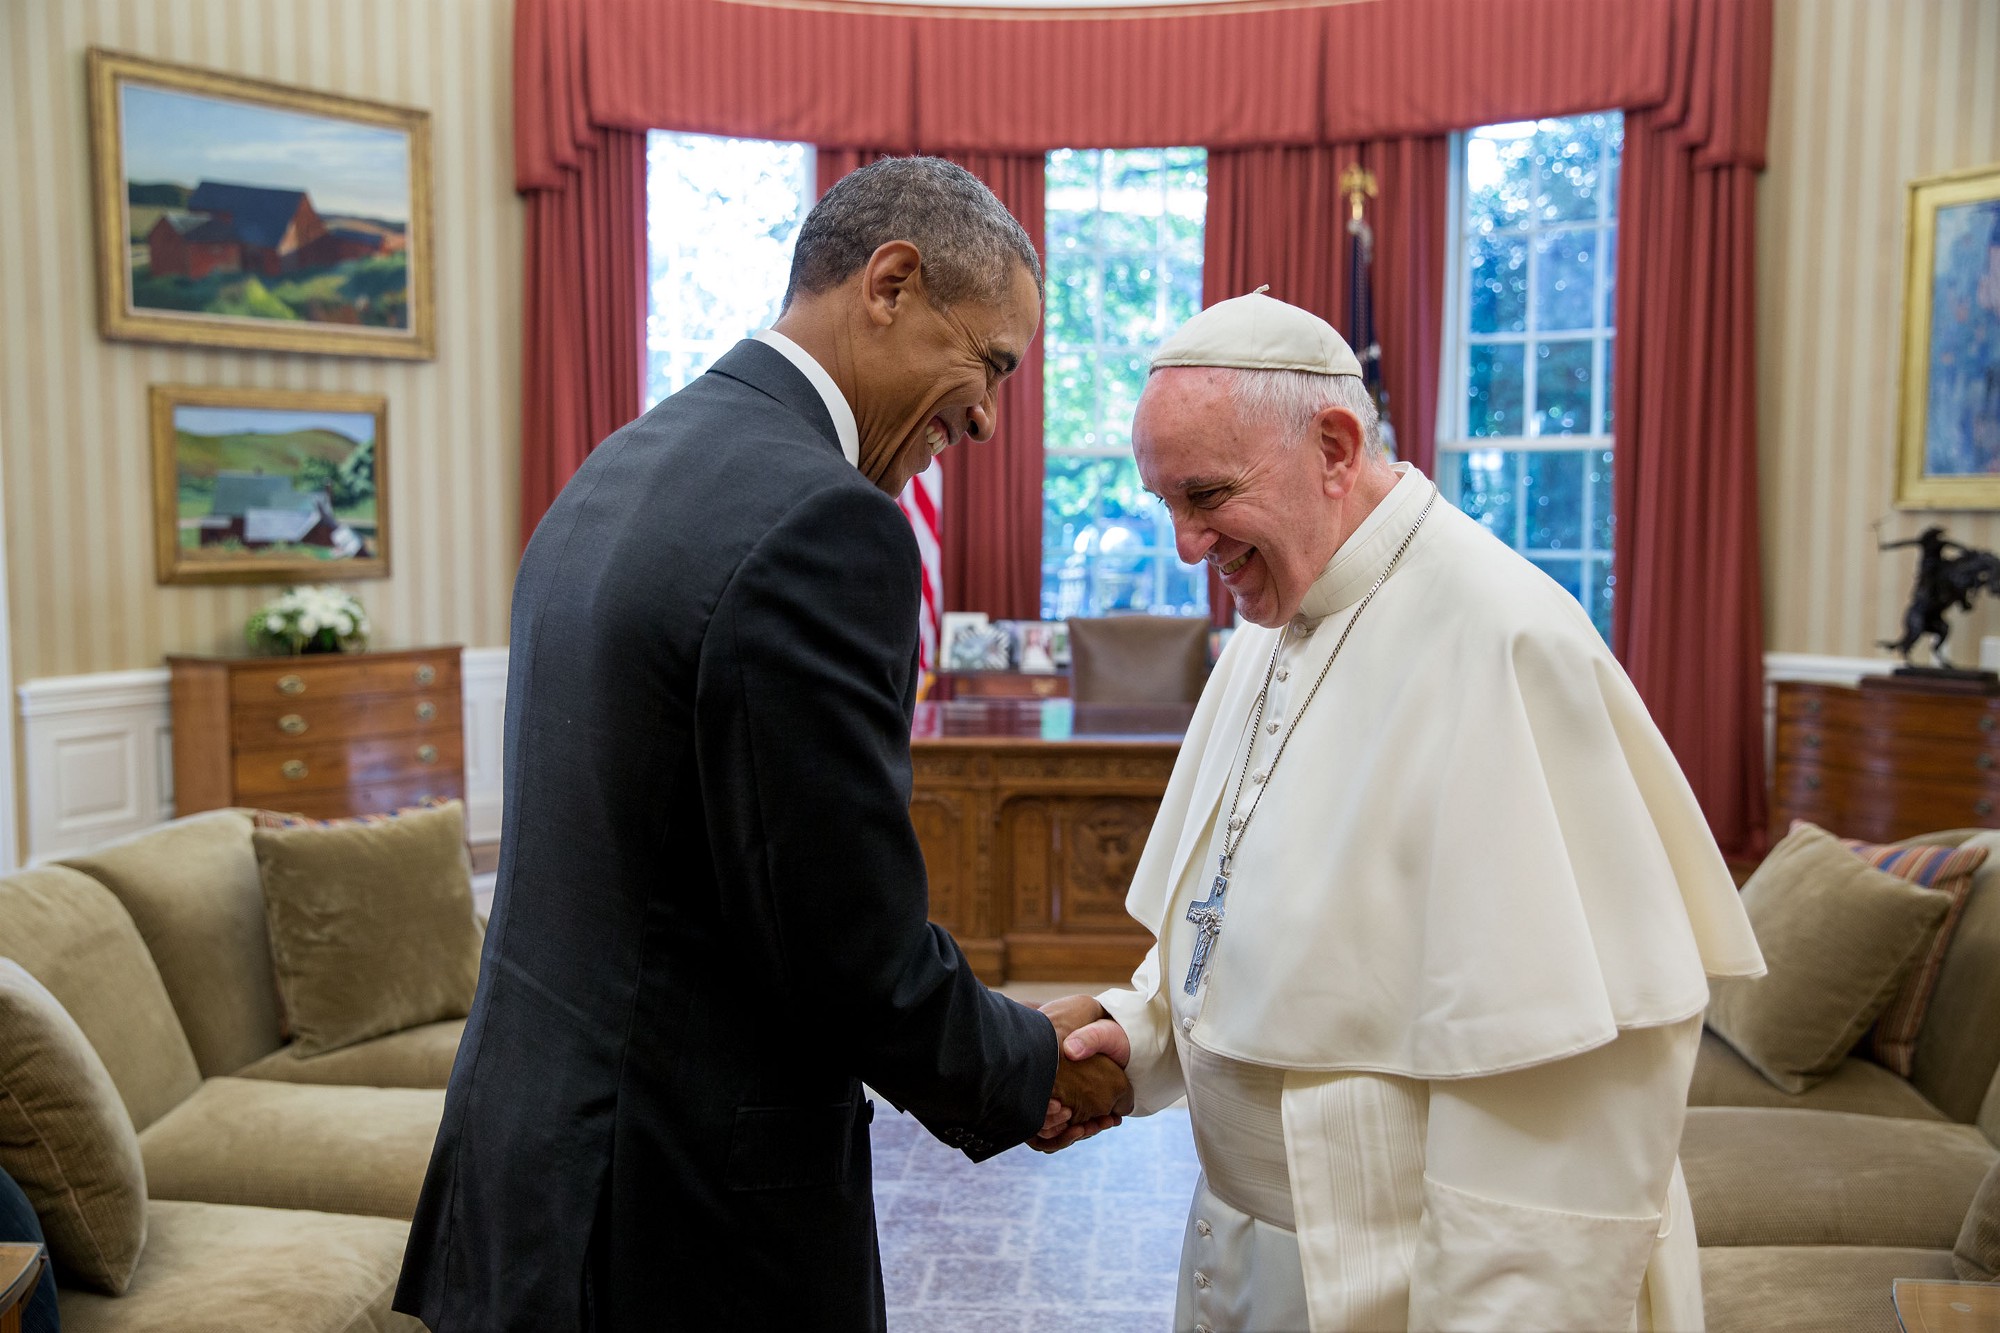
(158,194)
(348,483)
(250,297)
(373,291)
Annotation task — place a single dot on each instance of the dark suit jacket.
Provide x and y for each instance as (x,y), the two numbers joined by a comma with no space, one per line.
(709,923)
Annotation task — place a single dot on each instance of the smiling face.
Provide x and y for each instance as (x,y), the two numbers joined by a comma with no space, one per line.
(926,378)
(1266,509)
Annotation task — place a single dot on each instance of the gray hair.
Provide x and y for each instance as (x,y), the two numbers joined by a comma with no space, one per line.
(1293,399)
(966,236)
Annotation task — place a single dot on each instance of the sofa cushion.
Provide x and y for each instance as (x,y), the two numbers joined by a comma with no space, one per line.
(72,936)
(288,1145)
(418,1057)
(65,1137)
(1811,1288)
(1764,1176)
(1838,936)
(1958,1047)
(215,1269)
(1948,868)
(192,889)
(1977,1253)
(371,925)
(1724,1078)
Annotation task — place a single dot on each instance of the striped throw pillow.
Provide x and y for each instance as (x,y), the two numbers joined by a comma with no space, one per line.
(1948,870)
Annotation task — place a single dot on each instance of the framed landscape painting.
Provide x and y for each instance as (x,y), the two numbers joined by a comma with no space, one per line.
(1949,453)
(269,485)
(237,213)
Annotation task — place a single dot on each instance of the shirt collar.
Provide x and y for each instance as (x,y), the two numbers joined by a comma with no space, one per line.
(1361,558)
(836,403)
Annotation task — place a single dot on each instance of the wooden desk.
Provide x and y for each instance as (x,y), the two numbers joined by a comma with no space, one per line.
(1032,815)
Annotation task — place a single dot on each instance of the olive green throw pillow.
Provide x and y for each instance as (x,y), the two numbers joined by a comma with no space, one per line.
(371,925)
(65,1138)
(1976,1257)
(1838,937)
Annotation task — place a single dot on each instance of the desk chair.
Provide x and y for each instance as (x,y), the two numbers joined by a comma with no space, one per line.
(1138,659)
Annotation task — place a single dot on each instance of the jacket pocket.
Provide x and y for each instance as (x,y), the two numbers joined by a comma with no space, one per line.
(791,1147)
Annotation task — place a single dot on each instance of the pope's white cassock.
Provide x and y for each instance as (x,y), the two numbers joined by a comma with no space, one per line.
(1439,1062)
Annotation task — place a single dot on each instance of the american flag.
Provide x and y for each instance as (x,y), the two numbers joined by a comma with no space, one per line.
(923,504)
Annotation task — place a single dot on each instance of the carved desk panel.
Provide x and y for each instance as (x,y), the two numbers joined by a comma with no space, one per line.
(1032,815)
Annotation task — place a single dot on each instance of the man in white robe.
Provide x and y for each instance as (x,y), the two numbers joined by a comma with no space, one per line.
(1438,1052)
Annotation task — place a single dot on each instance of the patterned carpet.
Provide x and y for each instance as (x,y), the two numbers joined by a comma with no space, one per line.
(1085,1241)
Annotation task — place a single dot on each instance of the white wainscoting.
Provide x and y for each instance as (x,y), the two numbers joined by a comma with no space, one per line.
(99,758)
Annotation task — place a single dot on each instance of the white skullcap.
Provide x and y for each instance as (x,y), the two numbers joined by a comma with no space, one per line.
(1257,332)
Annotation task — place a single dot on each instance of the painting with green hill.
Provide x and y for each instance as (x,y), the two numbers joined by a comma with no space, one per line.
(252,215)
(260,485)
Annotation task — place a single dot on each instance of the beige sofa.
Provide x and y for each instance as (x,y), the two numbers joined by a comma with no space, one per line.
(279,1189)
(1809,1205)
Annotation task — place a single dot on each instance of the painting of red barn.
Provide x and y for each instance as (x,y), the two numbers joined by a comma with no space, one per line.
(269,485)
(237,213)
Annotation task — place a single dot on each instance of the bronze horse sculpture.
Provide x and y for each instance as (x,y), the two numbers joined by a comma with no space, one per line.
(1948,575)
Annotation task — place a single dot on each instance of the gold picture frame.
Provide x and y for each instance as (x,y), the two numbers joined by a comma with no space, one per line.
(1948,448)
(207,229)
(269,485)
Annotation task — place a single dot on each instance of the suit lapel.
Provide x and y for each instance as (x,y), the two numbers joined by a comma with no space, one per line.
(765,369)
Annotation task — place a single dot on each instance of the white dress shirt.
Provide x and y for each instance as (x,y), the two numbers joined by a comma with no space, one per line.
(829,392)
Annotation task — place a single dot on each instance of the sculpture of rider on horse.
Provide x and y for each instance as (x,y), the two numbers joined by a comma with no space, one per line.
(1948,575)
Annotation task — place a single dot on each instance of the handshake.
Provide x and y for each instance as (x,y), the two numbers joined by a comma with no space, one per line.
(1091,1093)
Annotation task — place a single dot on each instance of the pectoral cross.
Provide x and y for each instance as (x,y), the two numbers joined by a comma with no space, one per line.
(1207,918)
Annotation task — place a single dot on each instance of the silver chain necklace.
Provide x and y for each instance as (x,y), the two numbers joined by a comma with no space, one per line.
(1207,914)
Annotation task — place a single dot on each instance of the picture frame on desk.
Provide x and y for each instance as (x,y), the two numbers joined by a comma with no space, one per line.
(1041,647)
(1949,445)
(971,641)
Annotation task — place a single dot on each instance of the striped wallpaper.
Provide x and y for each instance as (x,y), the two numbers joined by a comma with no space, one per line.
(1866,95)
(73,425)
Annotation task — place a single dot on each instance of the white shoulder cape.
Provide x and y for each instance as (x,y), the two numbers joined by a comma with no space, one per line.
(1477,853)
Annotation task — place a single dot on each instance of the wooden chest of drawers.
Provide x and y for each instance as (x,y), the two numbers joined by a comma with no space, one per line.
(1885,763)
(323,735)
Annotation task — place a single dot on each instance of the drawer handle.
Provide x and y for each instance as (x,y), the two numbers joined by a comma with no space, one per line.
(1812,705)
(1982,807)
(426,711)
(291,684)
(292,724)
(1812,740)
(427,754)
(1984,761)
(1986,722)
(1812,782)
(294,769)
(426,674)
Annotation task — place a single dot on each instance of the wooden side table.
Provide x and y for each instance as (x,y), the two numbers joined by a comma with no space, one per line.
(21,1268)
(1926,1305)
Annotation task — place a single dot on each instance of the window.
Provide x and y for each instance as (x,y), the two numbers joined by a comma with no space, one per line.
(1124,271)
(721,216)
(1525,429)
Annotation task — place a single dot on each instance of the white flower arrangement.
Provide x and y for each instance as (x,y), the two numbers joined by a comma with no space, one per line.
(318,619)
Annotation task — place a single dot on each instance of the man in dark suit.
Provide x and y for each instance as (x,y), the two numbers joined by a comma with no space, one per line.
(709,925)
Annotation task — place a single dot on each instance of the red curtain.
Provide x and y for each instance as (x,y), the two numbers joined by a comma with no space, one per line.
(1688,619)
(1276,215)
(583,316)
(991,531)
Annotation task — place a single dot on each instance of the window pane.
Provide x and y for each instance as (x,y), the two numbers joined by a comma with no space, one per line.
(1488,481)
(1497,269)
(1568,572)
(1566,158)
(1494,393)
(1124,269)
(1608,270)
(1600,499)
(721,216)
(1565,279)
(1562,388)
(1555,501)
(1498,176)
(1598,583)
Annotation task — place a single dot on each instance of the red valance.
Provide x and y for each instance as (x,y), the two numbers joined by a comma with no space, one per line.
(839,74)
